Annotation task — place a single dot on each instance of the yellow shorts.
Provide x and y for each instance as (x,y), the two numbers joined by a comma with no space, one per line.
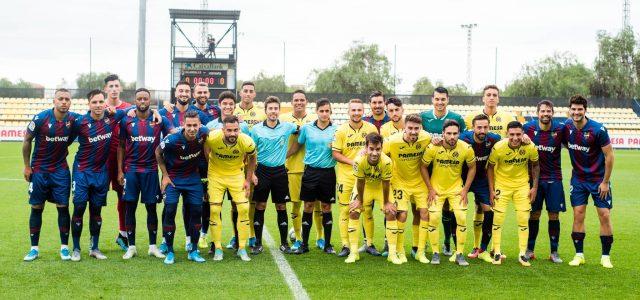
(519,197)
(403,195)
(453,199)
(371,196)
(234,184)
(344,188)
(295,183)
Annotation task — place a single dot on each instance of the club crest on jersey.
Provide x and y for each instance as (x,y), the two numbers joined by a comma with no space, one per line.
(418,146)
(521,152)
(364,134)
(89,125)
(253,113)
(107,120)
(235,151)
(32,125)
(498,119)
(455,154)
(586,135)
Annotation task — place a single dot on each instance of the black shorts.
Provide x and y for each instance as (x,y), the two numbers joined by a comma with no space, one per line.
(272,180)
(318,184)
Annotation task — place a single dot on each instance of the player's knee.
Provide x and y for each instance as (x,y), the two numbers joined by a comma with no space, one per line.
(461,218)
(261,205)
(402,216)
(425,216)
(281,206)
(553,216)
(390,216)
(535,215)
(216,208)
(522,218)
(37,206)
(354,215)
(604,214)
(326,207)
(243,209)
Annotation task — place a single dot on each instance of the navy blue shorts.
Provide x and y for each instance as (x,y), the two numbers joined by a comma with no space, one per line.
(54,187)
(551,193)
(579,193)
(146,185)
(191,193)
(480,190)
(90,186)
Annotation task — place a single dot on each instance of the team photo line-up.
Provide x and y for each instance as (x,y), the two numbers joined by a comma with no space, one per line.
(421,164)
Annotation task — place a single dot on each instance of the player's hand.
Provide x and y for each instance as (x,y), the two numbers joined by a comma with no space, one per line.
(532,194)
(604,190)
(166,181)
(436,140)
(247,188)
(167,105)
(156,116)
(27,173)
(390,208)
(525,139)
(354,205)
(240,118)
(111,110)
(254,179)
(432,196)
(121,178)
(464,200)
(492,198)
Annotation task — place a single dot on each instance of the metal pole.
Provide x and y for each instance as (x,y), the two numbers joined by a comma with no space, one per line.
(394,68)
(284,62)
(141,43)
(495,69)
(90,62)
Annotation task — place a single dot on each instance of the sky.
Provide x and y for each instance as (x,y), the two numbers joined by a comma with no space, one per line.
(47,41)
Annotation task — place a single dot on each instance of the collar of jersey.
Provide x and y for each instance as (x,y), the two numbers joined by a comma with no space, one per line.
(446,113)
(315,123)
(274,127)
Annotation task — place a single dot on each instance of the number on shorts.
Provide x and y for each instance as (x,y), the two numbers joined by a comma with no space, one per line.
(124,187)
(73,187)
(30,187)
(497,192)
(397,194)
(340,187)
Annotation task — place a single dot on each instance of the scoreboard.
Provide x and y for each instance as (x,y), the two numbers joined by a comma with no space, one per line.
(220,76)
(214,78)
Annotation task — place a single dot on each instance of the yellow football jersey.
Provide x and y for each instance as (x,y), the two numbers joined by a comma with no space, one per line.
(512,165)
(497,122)
(406,158)
(447,166)
(228,160)
(350,142)
(389,129)
(251,116)
(295,162)
(372,174)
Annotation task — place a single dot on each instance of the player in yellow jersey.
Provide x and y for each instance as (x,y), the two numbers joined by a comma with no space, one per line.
(498,120)
(445,185)
(395,112)
(348,141)
(508,172)
(373,173)
(295,168)
(229,151)
(408,187)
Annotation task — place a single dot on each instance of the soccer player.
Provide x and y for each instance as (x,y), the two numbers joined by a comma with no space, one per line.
(319,178)
(349,140)
(482,141)
(395,113)
(178,157)
(445,185)
(113,88)
(90,177)
(138,169)
(548,136)
(406,150)
(432,122)
(378,117)
(591,156)
(295,169)
(498,120)
(508,173)
(373,173)
(270,138)
(227,149)
(46,169)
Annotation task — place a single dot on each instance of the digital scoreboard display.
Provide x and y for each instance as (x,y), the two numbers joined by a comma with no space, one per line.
(214,78)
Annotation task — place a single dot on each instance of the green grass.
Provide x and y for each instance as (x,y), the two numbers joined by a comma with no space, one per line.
(321,275)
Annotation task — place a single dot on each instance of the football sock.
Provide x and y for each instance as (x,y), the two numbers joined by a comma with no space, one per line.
(434,231)
(64,220)
(215,225)
(76,224)
(296,219)
(317,220)
(195,217)
(307,220)
(554,234)
(367,216)
(354,234)
(251,214)
(496,231)
(487,224)
(461,229)
(446,225)
(606,241)
(400,236)
(327,224)
(130,221)
(258,225)
(169,224)
(206,215)
(344,224)
(392,236)
(243,224)
(152,223)
(534,227)
(35,223)
(477,229)
(423,230)
(95,224)
(120,207)
(283,225)
(522,217)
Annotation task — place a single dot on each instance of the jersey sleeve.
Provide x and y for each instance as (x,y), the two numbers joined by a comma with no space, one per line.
(166,126)
(533,152)
(123,129)
(603,137)
(386,171)
(34,126)
(167,143)
(386,147)
(470,155)
(428,155)
(204,119)
(302,135)
(248,145)
(120,114)
(338,141)
(493,157)
(245,128)
(358,170)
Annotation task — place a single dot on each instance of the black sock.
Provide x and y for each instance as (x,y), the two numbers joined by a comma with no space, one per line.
(234,219)
(64,220)
(169,224)
(35,223)
(327,223)
(130,221)
(307,221)
(206,216)
(446,224)
(152,223)
(283,225)
(454,226)
(578,241)
(606,241)
(95,223)
(76,225)
(554,234)
(195,216)
(534,226)
(487,225)
(258,224)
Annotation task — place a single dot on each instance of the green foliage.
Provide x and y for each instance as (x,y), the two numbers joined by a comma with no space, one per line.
(86,81)
(559,75)
(269,83)
(361,69)
(423,86)
(20,84)
(617,66)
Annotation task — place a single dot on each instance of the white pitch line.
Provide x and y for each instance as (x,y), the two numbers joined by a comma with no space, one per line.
(299,293)
(11,179)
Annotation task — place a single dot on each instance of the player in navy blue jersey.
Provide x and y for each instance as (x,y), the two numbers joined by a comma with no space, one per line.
(378,116)
(591,156)
(90,177)
(138,169)
(178,158)
(548,136)
(482,141)
(46,169)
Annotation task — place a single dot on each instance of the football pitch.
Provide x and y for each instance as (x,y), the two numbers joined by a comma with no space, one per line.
(320,275)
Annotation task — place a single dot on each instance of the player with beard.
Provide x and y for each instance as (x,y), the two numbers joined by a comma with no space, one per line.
(378,116)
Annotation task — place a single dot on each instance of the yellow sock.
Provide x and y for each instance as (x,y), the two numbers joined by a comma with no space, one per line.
(461,229)
(296,219)
(400,242)
(344,225)
(367,215)
(243,224)
(251,211)
(354,234)
(523,230)
(215,225)
(415,234)
(317,220)
(496,232)
(392,236)
(477,229)
(434,231)
(423,229)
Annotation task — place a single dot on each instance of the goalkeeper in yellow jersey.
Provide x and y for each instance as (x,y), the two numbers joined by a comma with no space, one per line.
(508,173)
(373,173)
(445,185)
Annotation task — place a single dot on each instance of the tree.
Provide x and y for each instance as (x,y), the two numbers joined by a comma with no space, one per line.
(617,67)
(423,86)
(267,83)
(20,84)
(559,75)
(361,69)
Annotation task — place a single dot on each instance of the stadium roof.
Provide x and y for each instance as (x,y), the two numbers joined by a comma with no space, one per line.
(197,14)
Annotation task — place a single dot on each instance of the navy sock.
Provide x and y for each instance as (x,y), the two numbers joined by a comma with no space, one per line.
(64,220)
(258,224)
(534,227)
(35,223)
(606,241)
(195,216)
(130,221)
(283,225)
(152,223)
(554,234)
(169,224)
(234,219)
(76,224)
(95,223)
(206,216)
(185,218)
(487,224)
(446,224)
(307,221)
(578,241)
